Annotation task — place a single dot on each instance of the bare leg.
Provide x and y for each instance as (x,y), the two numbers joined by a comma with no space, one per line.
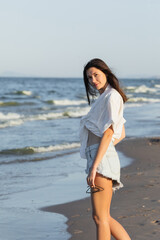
(101,207)
(117,231)
(101,201)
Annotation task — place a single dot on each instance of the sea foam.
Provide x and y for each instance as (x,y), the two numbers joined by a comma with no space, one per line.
(142,99)
(140,89)
(66,102)
(9,116)
(11,123)
(14,119)
(32,150)
(56,147)
(24,92)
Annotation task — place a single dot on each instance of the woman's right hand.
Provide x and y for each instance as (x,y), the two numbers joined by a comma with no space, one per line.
(91,178)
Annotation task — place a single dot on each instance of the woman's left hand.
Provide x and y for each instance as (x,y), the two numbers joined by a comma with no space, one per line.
(91,178)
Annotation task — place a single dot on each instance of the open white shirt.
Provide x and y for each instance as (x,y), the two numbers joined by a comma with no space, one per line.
(107,110)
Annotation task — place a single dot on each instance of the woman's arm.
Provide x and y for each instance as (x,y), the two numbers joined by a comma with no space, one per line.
(105,141)
(122,136)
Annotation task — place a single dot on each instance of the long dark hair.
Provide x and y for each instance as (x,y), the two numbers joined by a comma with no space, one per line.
(111,78)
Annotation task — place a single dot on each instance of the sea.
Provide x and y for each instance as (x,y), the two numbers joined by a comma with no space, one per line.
(40,163)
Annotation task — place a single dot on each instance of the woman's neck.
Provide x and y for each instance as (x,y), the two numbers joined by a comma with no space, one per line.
(103,88)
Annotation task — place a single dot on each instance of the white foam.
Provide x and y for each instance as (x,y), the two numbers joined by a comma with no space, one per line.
(28,93)
(132,105)
(142,99)
(14,119)
(144,89)
(9,116)
(25,92)
(66,102)
(130,87)
(77,112)
(129,95)
(55,148)
(70,112)
(11,123)
(140,89)
(46,116)
(10,119)
(157,85)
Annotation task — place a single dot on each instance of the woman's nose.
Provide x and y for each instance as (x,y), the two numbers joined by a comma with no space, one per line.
(93,79)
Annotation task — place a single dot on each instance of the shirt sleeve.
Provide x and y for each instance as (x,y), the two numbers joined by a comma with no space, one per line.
(112,114)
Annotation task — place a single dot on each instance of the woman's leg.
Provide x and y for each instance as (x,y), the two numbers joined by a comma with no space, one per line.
(101,207)
(117,231)
(105,224)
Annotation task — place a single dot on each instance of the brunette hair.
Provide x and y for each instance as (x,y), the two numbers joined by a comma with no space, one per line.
(111,78)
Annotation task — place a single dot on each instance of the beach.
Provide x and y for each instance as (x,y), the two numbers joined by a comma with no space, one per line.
(40,161)
(136,206)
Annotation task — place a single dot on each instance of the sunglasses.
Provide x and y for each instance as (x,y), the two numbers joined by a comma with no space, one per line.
(94,189)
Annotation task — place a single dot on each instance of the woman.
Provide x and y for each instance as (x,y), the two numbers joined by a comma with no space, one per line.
(100,130)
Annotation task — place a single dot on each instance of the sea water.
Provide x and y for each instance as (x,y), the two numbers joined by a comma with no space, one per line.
(39,151)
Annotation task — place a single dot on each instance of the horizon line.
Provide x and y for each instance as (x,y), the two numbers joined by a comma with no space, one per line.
(129,77)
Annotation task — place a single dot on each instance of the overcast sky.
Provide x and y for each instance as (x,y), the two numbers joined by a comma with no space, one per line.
(55,38)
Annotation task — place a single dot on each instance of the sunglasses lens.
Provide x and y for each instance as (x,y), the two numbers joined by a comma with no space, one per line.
(94,189)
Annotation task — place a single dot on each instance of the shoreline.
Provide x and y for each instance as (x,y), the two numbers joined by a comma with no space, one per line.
(135,206)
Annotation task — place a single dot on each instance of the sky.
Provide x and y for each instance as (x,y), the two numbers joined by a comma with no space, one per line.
(56,38)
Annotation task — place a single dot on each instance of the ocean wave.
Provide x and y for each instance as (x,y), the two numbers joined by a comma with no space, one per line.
(9,116)
(32,150)
(10,120)
(142,99)
(13,103)
(6,104)
(14,119)
(66,102)
(157,85)
(129,88)
(144,89)
(129,95)
(69,113)
(56,147)
(132,105)
(77,112)
(140,89)
(23,92)
(72,112)
(46,116)
(11,123)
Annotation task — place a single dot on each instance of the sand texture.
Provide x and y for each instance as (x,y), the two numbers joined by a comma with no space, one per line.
(136,206)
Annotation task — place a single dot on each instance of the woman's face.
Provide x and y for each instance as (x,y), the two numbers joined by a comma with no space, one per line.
(96,78)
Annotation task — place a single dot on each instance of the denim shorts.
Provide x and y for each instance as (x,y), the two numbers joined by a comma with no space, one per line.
(109,166)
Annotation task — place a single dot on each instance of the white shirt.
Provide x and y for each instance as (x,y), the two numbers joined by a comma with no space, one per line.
(107,110)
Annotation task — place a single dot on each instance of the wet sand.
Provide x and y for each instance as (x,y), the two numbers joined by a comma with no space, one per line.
(136,206)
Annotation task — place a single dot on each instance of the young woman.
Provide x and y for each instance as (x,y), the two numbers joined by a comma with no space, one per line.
(100,130)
